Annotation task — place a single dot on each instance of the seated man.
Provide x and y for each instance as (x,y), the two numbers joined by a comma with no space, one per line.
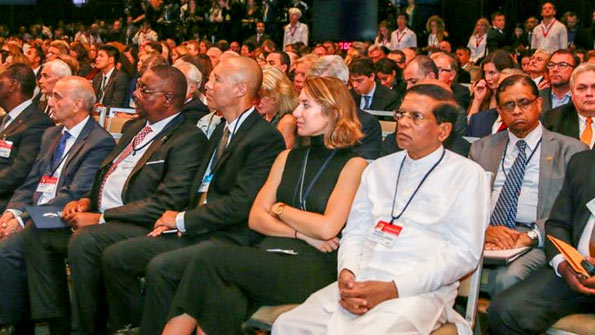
(399,259)
(50,74)
(150,170)
(110,84)
(71,153)
(527,163)
(21,128)
(367,93)
(556,290)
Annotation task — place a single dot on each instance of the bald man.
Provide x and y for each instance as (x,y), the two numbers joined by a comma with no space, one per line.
(70,155)
(240,154)
(149,171)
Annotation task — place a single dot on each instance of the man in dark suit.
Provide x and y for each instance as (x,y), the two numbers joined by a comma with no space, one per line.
(496,35)
(239,156)
(576,119)
(21,129)
(447,73)
(559,67)
(369,95)
(536,303)
(260,35)
(149,171)
(193,108)
(70,153)
(519,221)
(110,84)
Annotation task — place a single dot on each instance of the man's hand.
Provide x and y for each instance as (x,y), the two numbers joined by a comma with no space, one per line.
(9,228)
(523,241)
(80,220)
(543,84)
(322,245)
(7,216)
(360,297)
(589,282)
(501,237)
(76,206)
(167,219)
(346,282)
(576,281)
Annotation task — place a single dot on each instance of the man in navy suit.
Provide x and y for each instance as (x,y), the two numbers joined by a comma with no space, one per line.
(64,170)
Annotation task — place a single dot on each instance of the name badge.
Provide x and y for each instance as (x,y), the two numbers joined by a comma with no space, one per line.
(47,184)
(204,186)
(385,233)
(5,148)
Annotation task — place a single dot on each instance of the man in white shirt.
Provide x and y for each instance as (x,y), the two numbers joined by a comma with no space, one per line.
(70,155)
(526,162)
(295,31)
(403,37)
(399,259)
(551,34)
(556,290)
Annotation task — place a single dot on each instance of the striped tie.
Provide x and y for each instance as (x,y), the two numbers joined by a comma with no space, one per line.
(504,213)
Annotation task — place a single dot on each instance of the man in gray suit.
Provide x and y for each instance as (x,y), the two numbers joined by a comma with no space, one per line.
(528,164)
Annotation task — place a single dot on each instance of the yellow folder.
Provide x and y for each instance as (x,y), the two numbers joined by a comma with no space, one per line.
(572,256)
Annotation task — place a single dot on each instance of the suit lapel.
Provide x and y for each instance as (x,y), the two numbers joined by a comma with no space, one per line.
(211,147)
(237,137)
(571,122)
(494,159)
(18,122)
(546,161)
(80,141)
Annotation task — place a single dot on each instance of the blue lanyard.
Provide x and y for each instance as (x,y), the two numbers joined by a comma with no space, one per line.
(526,162)
(300,184)
(414,192)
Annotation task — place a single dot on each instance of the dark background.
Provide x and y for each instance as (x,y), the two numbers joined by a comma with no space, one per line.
(459,15)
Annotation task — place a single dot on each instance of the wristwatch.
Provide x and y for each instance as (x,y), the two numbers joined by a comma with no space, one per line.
(278,208)
(534,238)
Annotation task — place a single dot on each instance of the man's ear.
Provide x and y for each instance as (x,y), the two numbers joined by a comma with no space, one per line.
(445,128)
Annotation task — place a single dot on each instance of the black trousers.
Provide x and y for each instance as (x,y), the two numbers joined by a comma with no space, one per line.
(223,285)
(45,253)
(161,260)
(535,304)
(14,296)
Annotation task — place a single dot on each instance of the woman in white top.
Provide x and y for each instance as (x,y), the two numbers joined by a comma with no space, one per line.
(383,37)
(295,31)
(477,42)
(436,31)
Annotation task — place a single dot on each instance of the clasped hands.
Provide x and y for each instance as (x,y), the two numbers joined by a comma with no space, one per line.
(500,237)
(167,221)
(360,297)
(76,214)
(9,225)
(577,281)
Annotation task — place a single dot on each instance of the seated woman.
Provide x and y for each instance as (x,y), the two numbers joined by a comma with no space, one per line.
(301,210)
(277,100)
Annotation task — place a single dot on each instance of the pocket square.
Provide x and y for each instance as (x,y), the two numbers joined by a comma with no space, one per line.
(156,162)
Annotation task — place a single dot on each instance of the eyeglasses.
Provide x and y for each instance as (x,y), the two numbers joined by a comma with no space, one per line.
(441,69)
(416,117)
(144,91)
(523,105)
(562,65)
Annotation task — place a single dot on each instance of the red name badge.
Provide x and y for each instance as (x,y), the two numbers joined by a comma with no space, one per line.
(385,233)
(47,184)
(5,148)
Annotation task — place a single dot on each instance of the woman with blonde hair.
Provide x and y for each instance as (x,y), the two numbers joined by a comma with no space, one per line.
(383,36)
(277,101)
(301,210)
(178,52)
(436,31)
(477,41)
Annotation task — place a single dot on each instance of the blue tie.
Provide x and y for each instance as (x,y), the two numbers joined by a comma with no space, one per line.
(505,211)
(367,99)
(57,156)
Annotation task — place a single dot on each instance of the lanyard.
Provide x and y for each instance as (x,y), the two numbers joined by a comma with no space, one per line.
(526,162)
(304,196)
(53,169)
(414,192)
(135,150)
(478,40)
(401,37)
(545,30)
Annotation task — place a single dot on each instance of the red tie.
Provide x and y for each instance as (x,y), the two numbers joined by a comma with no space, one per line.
(133,144)
(502,127)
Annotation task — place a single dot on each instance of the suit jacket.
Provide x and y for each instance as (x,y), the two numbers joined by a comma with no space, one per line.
(569,213)
(83,160)
(556,151)
(370,144)
(253,38)
(25,133)
(496,40)
(546,96)
(563,120)
(462,94)
(238,175)
(584,38)
(116,89)
(161,178)
(194,110)
(383,99)
(481,123)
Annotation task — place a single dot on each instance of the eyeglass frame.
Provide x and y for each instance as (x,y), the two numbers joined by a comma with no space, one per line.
(522,107)
(417,119)
(561,65)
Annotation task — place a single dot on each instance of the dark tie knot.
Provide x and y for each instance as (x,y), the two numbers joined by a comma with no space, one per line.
(522,145)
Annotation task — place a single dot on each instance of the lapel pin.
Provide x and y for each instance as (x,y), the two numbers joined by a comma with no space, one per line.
(549,158)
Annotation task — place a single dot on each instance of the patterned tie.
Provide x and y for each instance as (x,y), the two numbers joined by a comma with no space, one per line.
(57,156)
(102,89)
(133,144)
(505,211)
(367,99)
(587,134)
(221,147)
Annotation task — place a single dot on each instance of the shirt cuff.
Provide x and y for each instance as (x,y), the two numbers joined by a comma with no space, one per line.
(539,236)
(101,219)
(17,214)
(555,262)
(180,222)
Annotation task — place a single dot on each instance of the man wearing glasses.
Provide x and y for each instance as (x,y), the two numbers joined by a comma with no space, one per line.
(528,164)
(559,68)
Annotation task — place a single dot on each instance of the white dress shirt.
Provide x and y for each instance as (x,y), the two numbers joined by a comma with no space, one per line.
(551,37)
(362,102)
(433,41)
(556,102)
(298,33)
(582,124)
(477,45)
(403,39)
(233,127)
(527,203)
(114,185)
(15,112)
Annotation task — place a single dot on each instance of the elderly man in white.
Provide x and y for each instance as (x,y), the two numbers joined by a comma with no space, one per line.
(295,31)
(416,227)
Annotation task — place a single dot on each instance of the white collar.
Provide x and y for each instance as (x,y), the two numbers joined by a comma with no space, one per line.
(76,130)
(15,112)
(427,160)
(234,125)
(532,138)
(158,126)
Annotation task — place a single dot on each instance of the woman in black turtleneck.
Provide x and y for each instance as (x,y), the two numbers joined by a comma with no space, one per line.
(301,210)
